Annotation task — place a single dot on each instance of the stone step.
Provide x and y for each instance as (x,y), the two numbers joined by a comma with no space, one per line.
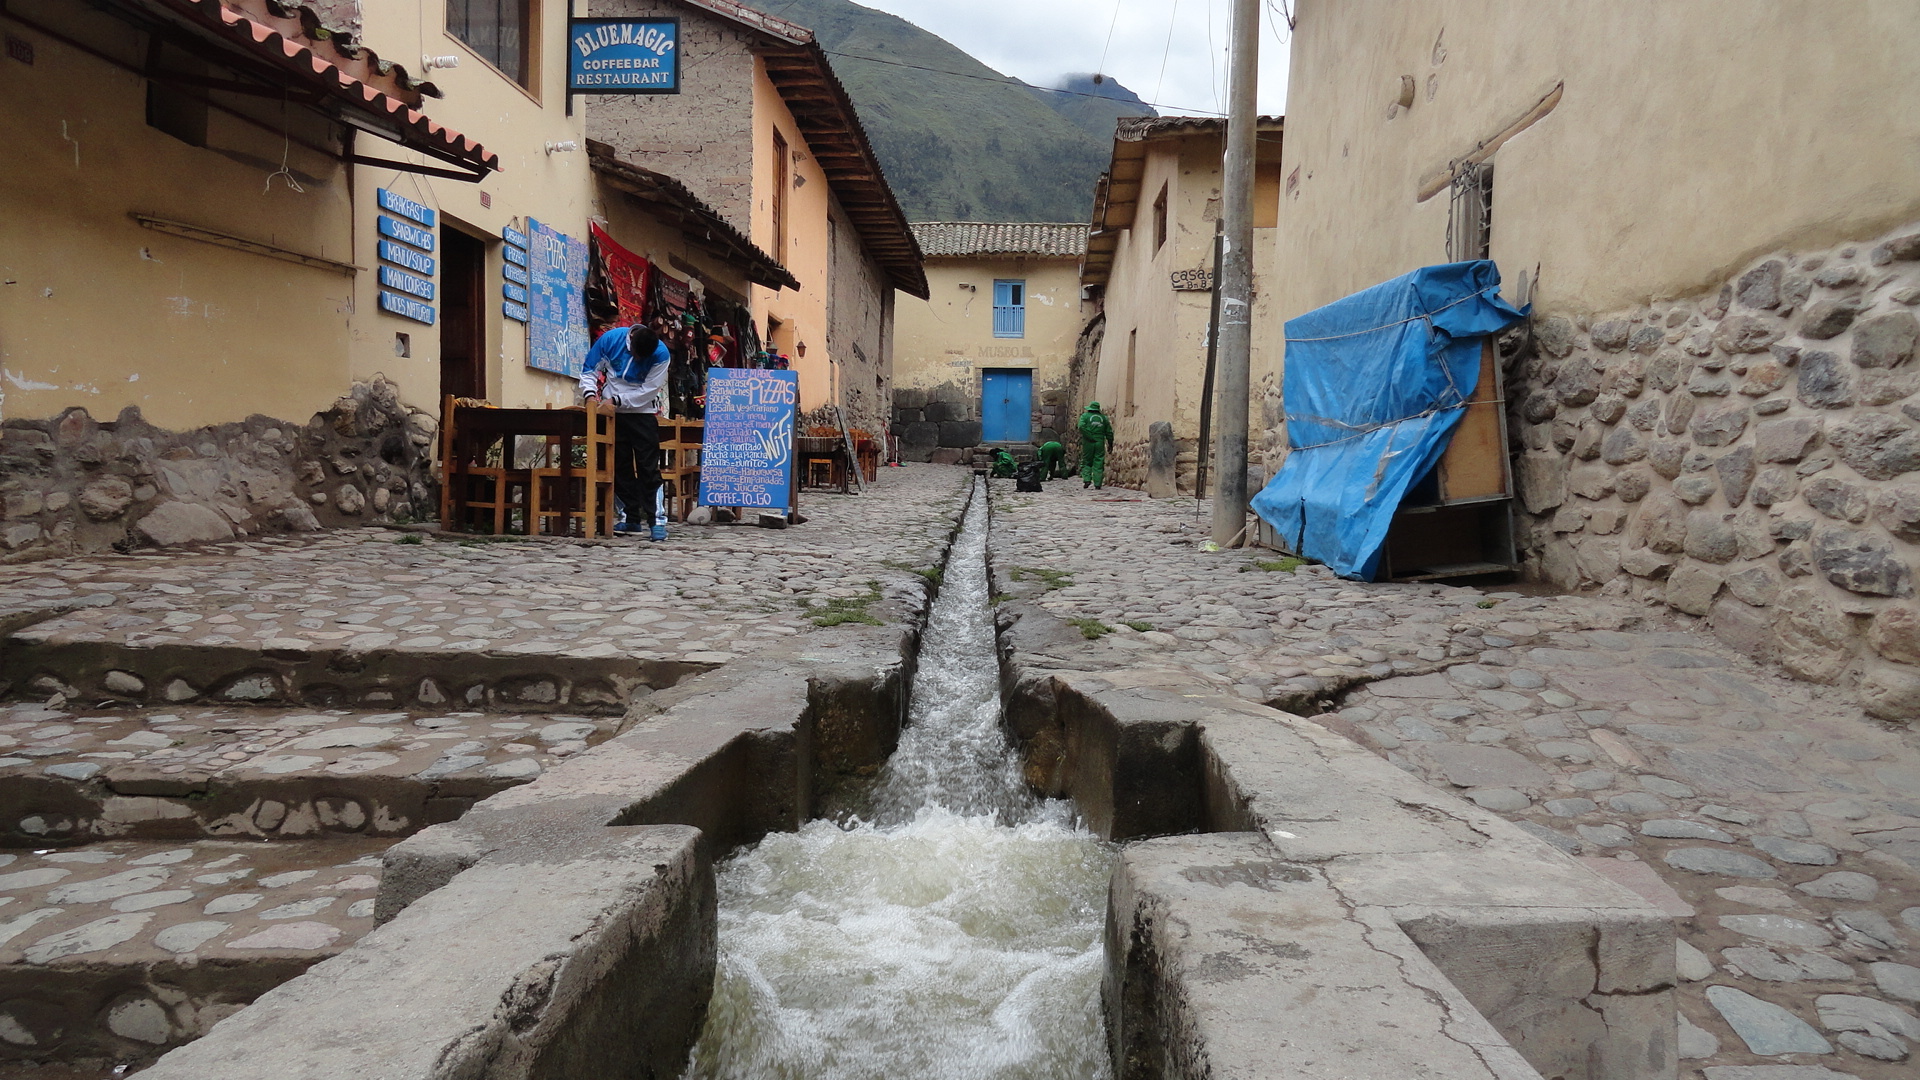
(70,775)
(115,951)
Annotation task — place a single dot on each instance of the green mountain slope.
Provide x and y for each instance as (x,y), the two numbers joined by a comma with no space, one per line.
(959,142)
(1094,106)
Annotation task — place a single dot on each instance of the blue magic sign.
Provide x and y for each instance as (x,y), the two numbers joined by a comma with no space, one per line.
(623,56)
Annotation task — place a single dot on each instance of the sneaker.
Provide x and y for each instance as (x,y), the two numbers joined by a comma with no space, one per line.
(659,532)
(621,528)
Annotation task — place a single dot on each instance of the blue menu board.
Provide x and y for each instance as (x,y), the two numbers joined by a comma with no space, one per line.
(746,458)
(416,230)
(557,265)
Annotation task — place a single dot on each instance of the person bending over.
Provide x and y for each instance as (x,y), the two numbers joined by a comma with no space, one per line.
(627,367)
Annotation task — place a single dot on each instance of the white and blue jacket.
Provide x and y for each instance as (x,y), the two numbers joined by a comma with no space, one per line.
(617,376)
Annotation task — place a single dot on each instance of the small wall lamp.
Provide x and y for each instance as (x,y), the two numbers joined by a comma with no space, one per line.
(566,147)
(431,62)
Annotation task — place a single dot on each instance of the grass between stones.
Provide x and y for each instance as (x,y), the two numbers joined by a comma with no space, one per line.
(1091,629)
(1286,564)
(845,609)
(1052,579)
(1139,626)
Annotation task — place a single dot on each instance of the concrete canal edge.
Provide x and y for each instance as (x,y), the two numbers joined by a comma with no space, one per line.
(1293,906)
(1298,907)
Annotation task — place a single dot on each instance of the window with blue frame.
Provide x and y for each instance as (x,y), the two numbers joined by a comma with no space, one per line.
(1010,308)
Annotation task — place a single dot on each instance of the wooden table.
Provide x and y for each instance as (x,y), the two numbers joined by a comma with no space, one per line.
(490,483)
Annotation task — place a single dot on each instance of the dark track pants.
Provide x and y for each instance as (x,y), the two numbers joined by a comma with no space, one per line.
(636,465)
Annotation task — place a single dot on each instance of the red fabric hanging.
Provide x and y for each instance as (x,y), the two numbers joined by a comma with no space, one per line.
(628,274)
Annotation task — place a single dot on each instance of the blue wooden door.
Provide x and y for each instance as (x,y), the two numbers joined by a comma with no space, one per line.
(1006,406)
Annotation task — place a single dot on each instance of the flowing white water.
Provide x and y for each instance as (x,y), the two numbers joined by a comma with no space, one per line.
(953,933)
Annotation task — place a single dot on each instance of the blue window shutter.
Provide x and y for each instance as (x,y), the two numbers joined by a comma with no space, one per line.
(1010,308)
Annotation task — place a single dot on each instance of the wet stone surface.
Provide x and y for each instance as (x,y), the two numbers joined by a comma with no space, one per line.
(126,902)
(225,824)
(706,594)
(1775,822)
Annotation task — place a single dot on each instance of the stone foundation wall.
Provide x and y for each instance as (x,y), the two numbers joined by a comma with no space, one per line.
(942,423)
(73,484)
(1127,463)
(1748,457)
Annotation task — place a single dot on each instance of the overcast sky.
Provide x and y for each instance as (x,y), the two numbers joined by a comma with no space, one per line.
(1170,52)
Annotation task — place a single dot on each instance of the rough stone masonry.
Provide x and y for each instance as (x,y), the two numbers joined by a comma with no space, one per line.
(74,485)
(1746,458)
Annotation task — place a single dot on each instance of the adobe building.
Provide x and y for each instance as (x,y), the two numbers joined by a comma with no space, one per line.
(985,358)
(1714,407)
(1149,270)
(248,255)
(764,133)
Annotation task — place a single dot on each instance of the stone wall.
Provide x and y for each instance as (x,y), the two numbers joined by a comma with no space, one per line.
(73,484)
(942,423)
(859,322)
(703,136)
(1746,457)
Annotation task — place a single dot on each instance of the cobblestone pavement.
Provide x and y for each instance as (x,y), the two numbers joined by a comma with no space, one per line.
(1775,822)
(234,763)
(704,595)
(216,901)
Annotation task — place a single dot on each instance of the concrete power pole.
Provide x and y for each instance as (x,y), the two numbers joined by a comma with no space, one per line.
(1236,278)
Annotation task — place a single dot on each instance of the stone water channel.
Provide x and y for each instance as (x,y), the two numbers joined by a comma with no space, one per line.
(945,923)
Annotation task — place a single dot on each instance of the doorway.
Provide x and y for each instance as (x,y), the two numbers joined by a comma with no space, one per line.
(463,306)
(1006,405)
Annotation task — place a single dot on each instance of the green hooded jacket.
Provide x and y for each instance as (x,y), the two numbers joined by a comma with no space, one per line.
(1094,425)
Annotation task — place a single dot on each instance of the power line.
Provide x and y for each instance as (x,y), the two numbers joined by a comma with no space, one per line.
(1008,80)
(1110,25)
(1172,21)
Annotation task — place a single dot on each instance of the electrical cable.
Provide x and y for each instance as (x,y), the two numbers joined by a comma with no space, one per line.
(1172,21)
(1101,68)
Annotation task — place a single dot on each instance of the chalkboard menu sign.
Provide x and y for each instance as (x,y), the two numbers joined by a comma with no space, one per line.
(558,287)
(746,458)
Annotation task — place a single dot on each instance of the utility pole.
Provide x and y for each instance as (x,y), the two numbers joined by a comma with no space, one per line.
(1236,278)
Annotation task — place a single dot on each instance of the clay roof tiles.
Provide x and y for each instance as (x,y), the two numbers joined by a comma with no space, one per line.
(345,77)
(958,238)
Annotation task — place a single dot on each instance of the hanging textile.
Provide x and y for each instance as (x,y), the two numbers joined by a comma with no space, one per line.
(1374,385)
(627,278)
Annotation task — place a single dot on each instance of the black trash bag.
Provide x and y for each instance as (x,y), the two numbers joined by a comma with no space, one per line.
(1027,477)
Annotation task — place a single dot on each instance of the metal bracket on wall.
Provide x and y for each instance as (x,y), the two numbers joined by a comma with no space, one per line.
(241,243)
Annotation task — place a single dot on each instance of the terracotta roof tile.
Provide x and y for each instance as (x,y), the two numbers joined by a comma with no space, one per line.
(300,57)
(950,238)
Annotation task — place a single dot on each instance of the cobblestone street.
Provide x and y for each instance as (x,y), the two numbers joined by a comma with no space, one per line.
(1775,822)
(703,596)
(196,771)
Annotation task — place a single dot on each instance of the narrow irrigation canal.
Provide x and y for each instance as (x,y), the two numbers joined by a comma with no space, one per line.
(950,929)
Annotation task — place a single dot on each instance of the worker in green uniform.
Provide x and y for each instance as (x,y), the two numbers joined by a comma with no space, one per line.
(1053,460)
(1004,464)
(1096,436)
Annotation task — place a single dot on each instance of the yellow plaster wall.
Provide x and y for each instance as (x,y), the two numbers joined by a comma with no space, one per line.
(513,121)
(948,338)
(1691,138)
(1171,327)
(99,312)
(802,314)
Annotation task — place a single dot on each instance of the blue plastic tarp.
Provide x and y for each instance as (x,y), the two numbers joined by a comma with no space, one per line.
(1375,383)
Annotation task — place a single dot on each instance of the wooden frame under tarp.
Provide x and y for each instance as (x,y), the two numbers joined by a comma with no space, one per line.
(1461,526)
